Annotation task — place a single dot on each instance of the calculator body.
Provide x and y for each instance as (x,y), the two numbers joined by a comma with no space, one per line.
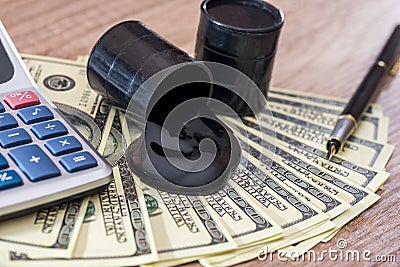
(65,176)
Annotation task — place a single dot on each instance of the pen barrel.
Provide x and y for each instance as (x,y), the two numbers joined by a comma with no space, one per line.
(368,87)
(365,92)
(391,52)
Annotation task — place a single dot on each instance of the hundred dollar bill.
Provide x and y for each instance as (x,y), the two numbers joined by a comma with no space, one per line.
(362,199)
(326,198)
(234,261)
(304,242)
(285,208)
(52,230)
(359,150)
(293,234)
(359,174)
(370,126)
(291,213)
(333,102)
(116,231)
(357,196)
(305,245)
(63,81)
(244,221)
(184,226)
(317,194)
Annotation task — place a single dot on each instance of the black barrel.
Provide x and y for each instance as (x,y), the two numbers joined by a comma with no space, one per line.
(126,56)
(242,34)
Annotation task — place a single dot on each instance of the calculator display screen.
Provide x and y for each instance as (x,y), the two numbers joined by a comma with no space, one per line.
(6,67)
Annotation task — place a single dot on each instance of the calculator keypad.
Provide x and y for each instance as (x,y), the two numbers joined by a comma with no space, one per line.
(31,173)
(36,161)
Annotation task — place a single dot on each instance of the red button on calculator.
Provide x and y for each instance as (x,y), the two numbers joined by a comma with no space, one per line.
(21,99)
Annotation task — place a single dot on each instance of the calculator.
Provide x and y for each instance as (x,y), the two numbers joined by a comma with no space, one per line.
(43,159)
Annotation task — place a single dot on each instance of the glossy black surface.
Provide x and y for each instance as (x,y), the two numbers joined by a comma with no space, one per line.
(242,34)
(189,139)
(333,147)
(147,155)
(124,58)
(245,15)
(391,52)
(6,67)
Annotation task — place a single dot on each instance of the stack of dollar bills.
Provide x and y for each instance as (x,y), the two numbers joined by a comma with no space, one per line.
(288,203)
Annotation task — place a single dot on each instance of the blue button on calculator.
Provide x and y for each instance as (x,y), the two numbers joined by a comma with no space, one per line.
(7,121)
(34,162)
(9,179)
(14,137)
(3,162)
(50,129)
(78,161)
(35,114)
(63,145)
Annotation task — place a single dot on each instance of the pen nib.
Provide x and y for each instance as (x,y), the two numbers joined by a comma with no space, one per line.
(331,151)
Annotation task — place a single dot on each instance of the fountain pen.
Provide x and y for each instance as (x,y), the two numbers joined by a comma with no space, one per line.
(387,63)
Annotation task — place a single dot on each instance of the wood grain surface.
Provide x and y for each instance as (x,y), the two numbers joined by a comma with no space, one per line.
(326,47)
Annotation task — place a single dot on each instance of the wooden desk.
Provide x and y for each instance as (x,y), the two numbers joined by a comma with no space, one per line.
(326,47)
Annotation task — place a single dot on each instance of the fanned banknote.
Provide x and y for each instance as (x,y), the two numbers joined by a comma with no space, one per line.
(360,150)
(52,230)
(362,175)
(330,101)
(370,126)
